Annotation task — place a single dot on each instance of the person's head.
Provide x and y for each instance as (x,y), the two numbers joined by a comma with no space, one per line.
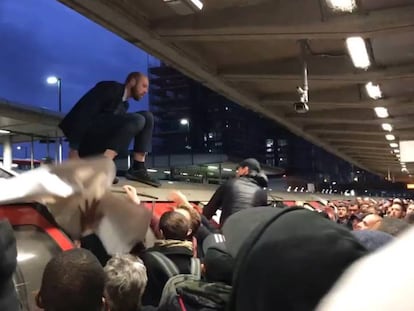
(125,282)
(342,211)
(72,280)
(364,207)
(137,85)
(410,209)
(192,216)
(373,209)
(396,211)
(247,167)
(174,226)
(353,209)
(370,222)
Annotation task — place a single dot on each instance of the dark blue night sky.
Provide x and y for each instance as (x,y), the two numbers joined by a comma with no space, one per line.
(39,38)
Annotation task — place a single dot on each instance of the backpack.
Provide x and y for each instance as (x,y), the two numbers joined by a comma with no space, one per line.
(171,269)
(160,270)
(186,292)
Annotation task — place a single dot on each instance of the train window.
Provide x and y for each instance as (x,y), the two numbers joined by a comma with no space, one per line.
(34,250)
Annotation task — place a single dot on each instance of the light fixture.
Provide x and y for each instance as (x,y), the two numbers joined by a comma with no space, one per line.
(151,170)
(52,80)
(185,7)
(373,90)
(4,132)
(167,172)
(342,5)
(358,51)
(227,170)
(393,145)
(396,150)
(198,4)
(184,121)
(381,112)
(390,137)
(212,167)
(386,127)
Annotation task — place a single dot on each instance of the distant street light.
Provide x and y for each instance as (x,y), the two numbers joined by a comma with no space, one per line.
(186,123)
(25,150)
(53,80)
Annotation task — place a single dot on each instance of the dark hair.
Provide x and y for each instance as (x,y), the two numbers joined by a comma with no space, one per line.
(174,226)
(195,218)
(73,280)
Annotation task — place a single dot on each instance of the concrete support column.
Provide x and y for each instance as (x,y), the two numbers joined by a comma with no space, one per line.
(7,152)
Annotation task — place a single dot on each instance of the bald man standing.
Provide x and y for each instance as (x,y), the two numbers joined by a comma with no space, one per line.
(100,124)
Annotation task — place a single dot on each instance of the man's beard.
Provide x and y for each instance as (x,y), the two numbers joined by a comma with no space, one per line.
(137,96)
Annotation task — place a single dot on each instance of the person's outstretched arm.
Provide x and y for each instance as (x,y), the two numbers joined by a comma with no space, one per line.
(215,202)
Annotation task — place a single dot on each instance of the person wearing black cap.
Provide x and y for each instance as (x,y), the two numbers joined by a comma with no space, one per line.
(239,193)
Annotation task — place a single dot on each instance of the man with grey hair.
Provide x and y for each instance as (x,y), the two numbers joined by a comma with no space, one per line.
(125,282)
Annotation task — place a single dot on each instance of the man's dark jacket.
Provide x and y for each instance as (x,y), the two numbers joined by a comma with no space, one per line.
(104,98)
(237,194)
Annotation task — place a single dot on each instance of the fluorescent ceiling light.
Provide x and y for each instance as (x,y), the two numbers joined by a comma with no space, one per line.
(211,167)
(393,145)
(227,169)
(381,112)
(373,90)
(358,52)
(167,172)
(4,132)
(390,137)
(198,4)
(342,5)
(386,127)
(151,170)
(396,150)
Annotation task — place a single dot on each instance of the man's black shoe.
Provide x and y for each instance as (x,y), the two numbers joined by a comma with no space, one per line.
(142,176)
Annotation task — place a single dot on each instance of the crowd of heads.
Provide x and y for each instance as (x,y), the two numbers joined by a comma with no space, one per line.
(76,280)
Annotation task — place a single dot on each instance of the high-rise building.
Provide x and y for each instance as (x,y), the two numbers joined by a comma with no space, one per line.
(191,118)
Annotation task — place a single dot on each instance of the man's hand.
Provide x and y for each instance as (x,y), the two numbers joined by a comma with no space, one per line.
(178,197)
(90,216)
(132,194)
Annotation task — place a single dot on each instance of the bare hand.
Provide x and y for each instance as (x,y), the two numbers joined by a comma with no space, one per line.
(132,194)
(90,216)
(178,197)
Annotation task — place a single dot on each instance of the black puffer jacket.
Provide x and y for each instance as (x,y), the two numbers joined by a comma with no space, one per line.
(238,194)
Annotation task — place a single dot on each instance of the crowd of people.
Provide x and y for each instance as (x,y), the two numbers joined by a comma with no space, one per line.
(329,240)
